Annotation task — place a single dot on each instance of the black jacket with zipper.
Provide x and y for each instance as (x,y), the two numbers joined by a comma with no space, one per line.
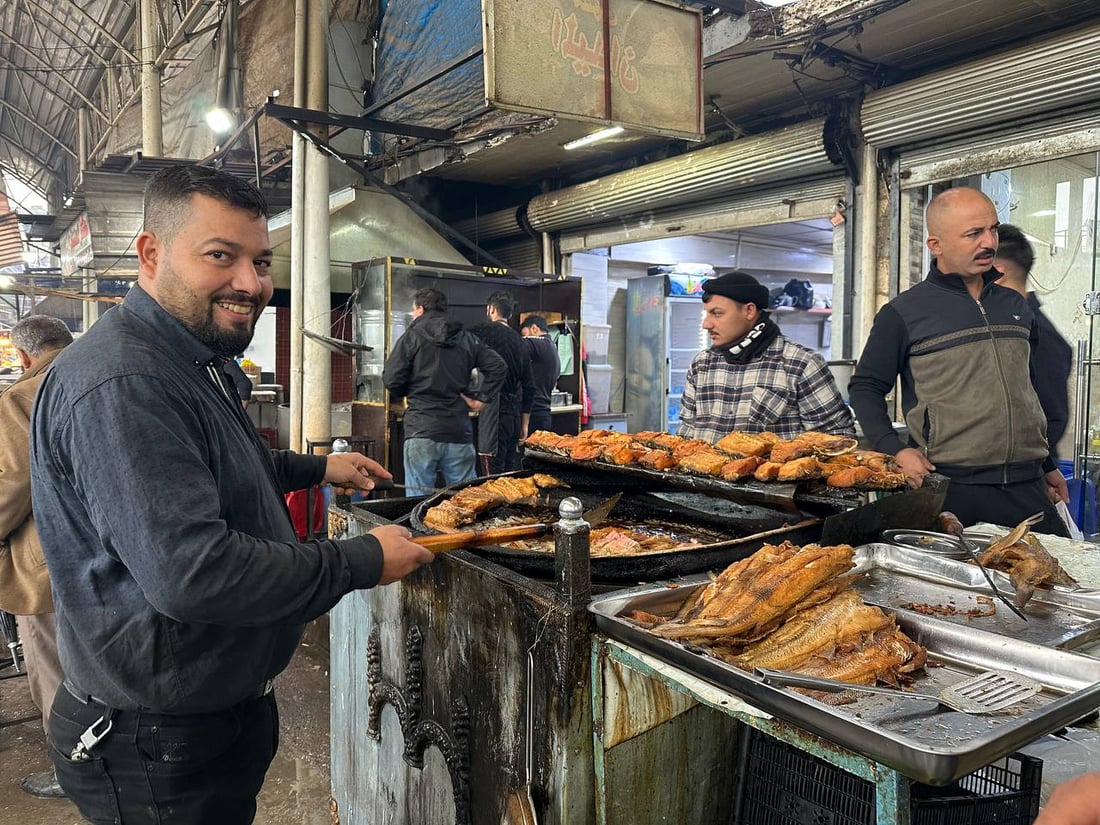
(965,389)
(430,367)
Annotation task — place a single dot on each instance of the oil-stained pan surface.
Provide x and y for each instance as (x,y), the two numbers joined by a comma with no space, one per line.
(917,738)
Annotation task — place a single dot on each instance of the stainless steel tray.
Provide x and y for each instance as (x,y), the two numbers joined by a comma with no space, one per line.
(925,742)
(1063,617)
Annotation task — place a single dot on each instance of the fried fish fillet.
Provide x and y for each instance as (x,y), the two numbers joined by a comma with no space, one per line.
(811,443)
(707,462)
(800,469)
(866,478)
(465,505)
(743,444)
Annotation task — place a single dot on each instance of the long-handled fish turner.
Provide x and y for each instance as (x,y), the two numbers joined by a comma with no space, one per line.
(987,692)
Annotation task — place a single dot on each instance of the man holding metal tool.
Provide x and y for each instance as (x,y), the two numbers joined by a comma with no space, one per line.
(961,345)
(180,587)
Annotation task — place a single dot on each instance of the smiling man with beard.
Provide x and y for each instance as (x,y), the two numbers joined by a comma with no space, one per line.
(180,587)
(961,343)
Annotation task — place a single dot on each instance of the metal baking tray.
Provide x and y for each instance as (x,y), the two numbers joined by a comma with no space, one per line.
(1064,617)
(920,739)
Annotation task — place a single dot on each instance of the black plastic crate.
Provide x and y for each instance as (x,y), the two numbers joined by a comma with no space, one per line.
(779,784)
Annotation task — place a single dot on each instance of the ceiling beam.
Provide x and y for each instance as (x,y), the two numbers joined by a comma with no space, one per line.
(92,51)
(31,70)
(91,21)
(7,105)
(43,165)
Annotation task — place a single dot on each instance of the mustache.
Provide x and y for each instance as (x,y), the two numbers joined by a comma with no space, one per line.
(985,252)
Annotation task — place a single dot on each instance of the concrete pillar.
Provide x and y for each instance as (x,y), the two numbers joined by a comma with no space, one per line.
(151,137)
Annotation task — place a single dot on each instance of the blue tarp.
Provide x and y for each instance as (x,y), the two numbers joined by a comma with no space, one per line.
(417,39)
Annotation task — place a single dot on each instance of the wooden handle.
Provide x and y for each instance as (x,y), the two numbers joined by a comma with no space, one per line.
(443,542)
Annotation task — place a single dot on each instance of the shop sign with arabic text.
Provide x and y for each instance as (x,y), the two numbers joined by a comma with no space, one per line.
(637,63)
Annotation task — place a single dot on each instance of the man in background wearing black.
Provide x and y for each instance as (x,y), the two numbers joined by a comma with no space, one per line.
(1051,356)
(545,370)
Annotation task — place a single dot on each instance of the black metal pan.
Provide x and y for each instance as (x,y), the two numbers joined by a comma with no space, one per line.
(728,531)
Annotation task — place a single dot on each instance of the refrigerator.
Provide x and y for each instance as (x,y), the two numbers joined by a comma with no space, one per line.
(663,334)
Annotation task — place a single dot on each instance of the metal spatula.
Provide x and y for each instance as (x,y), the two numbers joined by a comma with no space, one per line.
(986,692)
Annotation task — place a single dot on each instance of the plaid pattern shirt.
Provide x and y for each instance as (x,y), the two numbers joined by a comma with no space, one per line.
(787,390)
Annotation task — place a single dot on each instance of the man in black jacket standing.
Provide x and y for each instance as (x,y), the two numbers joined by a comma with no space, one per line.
(1051,356)
(500,422)
(431,367)
(961,345)
(180,587)
(545,371)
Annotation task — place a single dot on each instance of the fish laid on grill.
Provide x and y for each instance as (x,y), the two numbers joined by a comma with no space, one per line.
(793,609)
(736,456)
(468,503)
(1026,561)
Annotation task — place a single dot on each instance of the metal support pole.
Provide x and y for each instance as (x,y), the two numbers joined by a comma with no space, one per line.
(1080,414)
(317,278)
(151,136)
(297,211)
(81,138)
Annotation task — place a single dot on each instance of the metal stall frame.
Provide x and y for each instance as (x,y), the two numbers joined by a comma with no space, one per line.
(610,658)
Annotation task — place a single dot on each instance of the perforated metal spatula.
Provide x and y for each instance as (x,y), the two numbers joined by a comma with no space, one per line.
(987,692)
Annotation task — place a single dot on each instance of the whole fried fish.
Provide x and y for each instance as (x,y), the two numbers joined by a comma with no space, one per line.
(1026,561)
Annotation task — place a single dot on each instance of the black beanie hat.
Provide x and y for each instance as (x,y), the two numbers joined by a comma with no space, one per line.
(739,286)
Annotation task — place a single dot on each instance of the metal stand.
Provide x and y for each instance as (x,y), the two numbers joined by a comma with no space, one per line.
(618,668)
(11,636)
(351,444)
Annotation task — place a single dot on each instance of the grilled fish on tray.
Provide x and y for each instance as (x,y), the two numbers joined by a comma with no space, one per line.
(1026,561)
(763,456)
(793,608)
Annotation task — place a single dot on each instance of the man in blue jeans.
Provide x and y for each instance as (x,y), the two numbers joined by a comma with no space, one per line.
(431,367)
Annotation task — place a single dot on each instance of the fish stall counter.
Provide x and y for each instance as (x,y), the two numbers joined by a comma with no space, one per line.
(432,676)
(899,760)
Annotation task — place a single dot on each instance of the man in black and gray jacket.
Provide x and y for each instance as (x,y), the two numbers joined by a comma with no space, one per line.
(430,366)
(961,344)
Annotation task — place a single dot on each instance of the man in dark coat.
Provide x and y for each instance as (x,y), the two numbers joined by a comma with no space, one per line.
(1051,356)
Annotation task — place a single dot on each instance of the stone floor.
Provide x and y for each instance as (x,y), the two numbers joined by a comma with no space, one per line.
(297,788)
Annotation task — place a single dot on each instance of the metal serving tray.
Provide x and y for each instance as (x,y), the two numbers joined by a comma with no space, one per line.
(1063,617)
(918,738)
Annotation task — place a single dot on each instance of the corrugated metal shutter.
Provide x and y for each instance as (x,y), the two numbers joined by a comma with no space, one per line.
(794,152)
(1016,147)
(1049,75)
(11,243)
(799,202)
(491,226)
(523,255)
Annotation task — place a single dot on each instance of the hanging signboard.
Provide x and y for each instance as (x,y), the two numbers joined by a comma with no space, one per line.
(76,246)
(633,63)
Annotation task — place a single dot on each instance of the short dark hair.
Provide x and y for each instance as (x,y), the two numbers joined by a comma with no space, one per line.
(168,195)
(38,334)
(535,321)
(503,302)
(430,300)
(1013,245)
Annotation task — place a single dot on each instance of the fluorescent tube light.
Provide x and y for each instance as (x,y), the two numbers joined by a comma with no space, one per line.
(602,134)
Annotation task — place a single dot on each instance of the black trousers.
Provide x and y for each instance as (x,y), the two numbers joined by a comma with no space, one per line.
(1006,504)
(507,456)
(159,769)
(540,420)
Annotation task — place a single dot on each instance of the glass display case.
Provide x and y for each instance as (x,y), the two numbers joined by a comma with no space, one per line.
(383,290)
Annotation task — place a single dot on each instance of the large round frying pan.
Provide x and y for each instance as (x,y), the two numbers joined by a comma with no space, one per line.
(727,530)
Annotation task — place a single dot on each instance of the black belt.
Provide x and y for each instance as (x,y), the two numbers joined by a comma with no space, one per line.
(88,699)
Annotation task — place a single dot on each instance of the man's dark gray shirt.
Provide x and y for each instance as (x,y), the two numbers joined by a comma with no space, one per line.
(179,583)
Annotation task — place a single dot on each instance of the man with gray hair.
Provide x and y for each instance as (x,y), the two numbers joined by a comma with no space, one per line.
(24,580)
